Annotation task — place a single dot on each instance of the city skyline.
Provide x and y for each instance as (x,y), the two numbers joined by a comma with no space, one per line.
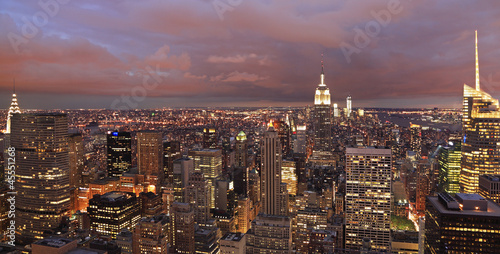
(231,126)
(82,57)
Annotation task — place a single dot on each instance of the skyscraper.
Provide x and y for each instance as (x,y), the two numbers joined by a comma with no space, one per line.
(300,143)
(289,176)
(14,109)
(449,167)
(349,106)
(466,223)
(150,235)
(368,197)
(119,150)
(271,174)
(481,130)
(416,138)
(271,230)
(197,195)
(42,175)
(209,162)
(75,160)
(241,150)
(183,228)
(210,140)
(322,116)
(150,154)
(112,212)
(171,152)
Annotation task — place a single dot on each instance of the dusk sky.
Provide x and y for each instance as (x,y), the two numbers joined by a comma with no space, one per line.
(89,54)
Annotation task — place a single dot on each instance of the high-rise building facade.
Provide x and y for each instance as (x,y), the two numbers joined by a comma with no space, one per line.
(183,228)
(300,143)
(197,195)
(416,138)
(449,167)
(349,106)
(489,187)
(368,197)
(481,130)
(241,150)
(210,139)
(75,160)
(171,152)
(209,162)
(289,176)
(271,174)
(112,212)
(322,117)
(466,223)
(119,153)
(271,230)
(270,234)
(150,235)
(42,174)
(150,153)
(182,168)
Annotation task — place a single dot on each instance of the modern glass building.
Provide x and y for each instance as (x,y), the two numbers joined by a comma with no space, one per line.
(481,135)
(449,167)
(119,150)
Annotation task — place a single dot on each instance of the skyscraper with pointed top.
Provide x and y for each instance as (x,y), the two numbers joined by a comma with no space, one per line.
(14,109)
(481,135)
(322,116)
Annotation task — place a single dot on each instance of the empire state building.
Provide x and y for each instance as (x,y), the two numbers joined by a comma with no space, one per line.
(322,117)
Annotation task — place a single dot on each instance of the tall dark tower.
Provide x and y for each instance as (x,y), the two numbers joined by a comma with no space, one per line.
(42,174)
(241,150)
(210,140)
(119,153)
(322,116)
(273,196)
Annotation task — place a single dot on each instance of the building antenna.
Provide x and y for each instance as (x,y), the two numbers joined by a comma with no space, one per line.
(477,67)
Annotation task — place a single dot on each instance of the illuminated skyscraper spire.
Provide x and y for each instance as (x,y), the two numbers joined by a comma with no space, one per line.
(14,107)
(477,67)
(322,72)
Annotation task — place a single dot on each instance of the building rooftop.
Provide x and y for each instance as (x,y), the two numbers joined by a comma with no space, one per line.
(468,205)
(236,237)
(493,178)
(54,242)
(86,251)
(114,196)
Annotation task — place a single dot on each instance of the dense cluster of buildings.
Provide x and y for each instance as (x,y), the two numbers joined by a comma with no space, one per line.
(252,180)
